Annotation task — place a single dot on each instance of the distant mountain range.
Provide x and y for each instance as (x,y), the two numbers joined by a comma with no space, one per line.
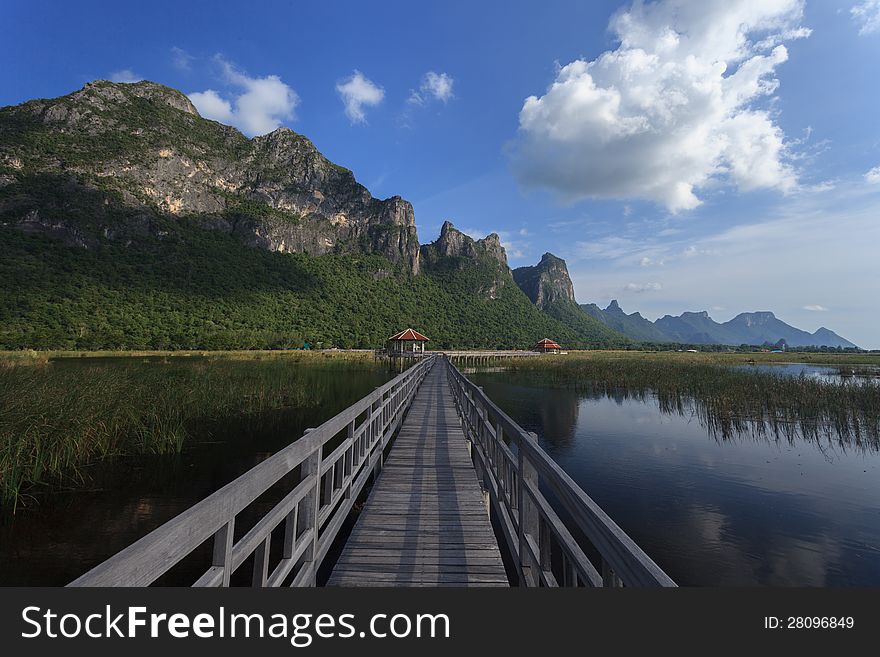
(756,328)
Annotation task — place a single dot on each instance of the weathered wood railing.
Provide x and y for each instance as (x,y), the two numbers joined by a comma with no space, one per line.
(312,513)
(515,470)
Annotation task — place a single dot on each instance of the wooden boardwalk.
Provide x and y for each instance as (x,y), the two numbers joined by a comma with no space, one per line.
(425,522)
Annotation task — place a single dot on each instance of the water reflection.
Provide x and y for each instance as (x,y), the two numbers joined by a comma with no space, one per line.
(726,510)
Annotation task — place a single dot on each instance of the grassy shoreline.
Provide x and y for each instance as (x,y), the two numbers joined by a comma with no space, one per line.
(721,357)
(26,355)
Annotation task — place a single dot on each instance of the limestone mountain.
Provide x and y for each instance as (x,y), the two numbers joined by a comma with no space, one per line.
(128,221)
(547,282)
(454,250)
(633,325)
(145,146)
(548,286)
(696,328)
(756,328)
(764,327)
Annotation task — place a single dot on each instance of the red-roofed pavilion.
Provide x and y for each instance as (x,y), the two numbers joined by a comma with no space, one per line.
(547,346)
(407,341)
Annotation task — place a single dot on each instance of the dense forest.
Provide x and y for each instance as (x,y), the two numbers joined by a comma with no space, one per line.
(194,288)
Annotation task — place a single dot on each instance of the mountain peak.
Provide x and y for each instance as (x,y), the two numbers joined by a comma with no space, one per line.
(549,259)
(547,282)
(704,314)
(613,307)
(119,92)
(454,243)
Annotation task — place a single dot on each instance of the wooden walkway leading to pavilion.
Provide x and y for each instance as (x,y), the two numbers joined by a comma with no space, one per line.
(425,522)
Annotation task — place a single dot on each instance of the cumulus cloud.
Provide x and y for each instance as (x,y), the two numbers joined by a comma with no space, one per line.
(816,308)
(437,86)
(873,176)
(125,75)
(867,15)
(358,92)
(673,109)
(260,107)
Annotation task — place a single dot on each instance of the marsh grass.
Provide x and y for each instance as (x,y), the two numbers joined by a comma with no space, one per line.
(56,418)
(729,401)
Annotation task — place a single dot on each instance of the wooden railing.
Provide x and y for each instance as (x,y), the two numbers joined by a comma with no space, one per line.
(517,472)
(312,512)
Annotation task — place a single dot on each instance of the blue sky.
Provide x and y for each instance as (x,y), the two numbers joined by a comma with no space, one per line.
(679,155)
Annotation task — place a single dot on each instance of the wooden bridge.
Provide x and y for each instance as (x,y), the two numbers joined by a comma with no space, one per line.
(451,492)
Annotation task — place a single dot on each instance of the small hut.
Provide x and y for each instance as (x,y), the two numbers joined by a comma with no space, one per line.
(547,346)
(407,342)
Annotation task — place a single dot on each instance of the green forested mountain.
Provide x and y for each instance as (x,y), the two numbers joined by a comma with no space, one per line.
(127,221)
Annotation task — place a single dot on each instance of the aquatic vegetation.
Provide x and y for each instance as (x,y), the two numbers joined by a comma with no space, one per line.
(729,401)
(56,418)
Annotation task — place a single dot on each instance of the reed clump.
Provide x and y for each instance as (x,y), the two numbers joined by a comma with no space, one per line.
(55,419)
(729,401)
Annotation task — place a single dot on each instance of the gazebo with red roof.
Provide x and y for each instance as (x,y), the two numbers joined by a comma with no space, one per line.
(547,346)
(407,341)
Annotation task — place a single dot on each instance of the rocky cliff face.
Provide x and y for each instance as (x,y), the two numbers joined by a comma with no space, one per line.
(454,250)
(452,243)
(547,282)
(145,145)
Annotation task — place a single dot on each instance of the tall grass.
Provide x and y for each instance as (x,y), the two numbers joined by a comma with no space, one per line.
(55,418)
(729,401)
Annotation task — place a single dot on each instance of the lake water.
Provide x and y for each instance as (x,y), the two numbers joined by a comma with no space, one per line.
(741,512)
(842,374)
(63,534)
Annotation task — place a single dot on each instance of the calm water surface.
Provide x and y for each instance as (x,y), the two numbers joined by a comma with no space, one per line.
(61,535)
(740,512)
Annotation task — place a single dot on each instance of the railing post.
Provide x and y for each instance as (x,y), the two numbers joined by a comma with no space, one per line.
(311,469)
(529,526)
(223,550)
(261,563)
(290,526)
(609,577)
(349,460)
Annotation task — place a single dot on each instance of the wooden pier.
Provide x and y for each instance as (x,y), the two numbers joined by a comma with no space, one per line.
(434,460)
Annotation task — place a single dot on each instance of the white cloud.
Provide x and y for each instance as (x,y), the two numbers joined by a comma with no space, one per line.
(673,109)
(358,92)
(260,107)
(642,287)
(212,106)
(125,75)
(816,308)
(434,85)
(867,15)
(181,59)
(873,176)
